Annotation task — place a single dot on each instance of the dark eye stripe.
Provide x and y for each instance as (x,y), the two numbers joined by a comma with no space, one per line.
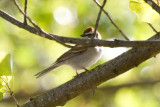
(89,34)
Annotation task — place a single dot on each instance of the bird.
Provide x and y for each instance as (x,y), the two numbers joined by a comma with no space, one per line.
(79,58)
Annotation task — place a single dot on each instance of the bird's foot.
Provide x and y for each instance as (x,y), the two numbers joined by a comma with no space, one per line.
(77,75)
(84,68)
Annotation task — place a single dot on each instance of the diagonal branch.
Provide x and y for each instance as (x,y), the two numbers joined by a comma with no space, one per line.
(44,34)
(112,21)
(25,11)
(87,80)
(140,84)
(96,76)
(98,17)
(116,43)
(25,15)
(152,27)
(155,6)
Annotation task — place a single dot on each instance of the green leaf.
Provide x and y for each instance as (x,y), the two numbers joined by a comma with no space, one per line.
(5,64)
(1,87)
(5,72)
(1,91)
(144,12)
(1,96)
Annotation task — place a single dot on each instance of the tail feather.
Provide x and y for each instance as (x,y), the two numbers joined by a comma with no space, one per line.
(41,73)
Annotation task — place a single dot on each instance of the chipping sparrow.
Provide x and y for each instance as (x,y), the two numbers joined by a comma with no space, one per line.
(80,57)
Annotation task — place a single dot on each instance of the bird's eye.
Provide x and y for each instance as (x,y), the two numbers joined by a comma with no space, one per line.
(89,35)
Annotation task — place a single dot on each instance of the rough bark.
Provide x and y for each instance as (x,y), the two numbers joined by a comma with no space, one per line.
(61,39)
(88,80)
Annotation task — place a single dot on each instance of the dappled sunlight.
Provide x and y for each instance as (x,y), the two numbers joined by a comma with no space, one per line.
(110,53)
(156,89)
(31,53)
(49,81)
(65,16)
(127,97)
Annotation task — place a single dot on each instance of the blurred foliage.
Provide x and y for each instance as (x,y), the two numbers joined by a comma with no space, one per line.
(32,53)
(144,11)
(5,73)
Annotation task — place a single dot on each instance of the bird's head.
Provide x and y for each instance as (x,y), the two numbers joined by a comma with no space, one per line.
(89,33)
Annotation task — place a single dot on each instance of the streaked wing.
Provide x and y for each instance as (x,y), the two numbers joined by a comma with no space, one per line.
(71,53)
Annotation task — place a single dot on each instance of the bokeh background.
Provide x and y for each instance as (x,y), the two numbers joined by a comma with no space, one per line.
(139,87)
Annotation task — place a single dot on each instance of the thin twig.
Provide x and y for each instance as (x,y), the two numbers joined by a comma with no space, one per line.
(25,11)
(18,6)
(141,83)
(21,11)
(112,21)
(36,26)
(95,42)
(10,91)
(152,28)
(99,16)
(30,20)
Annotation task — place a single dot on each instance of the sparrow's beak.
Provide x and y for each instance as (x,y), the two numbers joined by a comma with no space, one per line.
(83,35)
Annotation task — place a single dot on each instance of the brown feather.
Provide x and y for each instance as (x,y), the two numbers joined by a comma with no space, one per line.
(88,30)
(71,53)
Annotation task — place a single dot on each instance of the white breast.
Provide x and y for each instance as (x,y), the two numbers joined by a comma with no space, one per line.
(86,59)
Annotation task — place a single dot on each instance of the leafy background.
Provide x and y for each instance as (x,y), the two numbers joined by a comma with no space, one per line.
(69,18)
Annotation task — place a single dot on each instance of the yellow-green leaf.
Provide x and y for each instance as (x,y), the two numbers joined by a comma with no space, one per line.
(1,96)
(144,12)
(5,64)
(1,91)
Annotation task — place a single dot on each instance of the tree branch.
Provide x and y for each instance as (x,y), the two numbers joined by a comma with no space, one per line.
(98,4)
(152,28)
(87,80)
(25,11)
(153,5)
(96,76)
(140,84)
(116,43)
(99,16)
(111,88)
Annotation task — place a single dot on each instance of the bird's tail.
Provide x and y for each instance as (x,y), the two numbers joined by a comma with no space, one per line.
(41,73)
